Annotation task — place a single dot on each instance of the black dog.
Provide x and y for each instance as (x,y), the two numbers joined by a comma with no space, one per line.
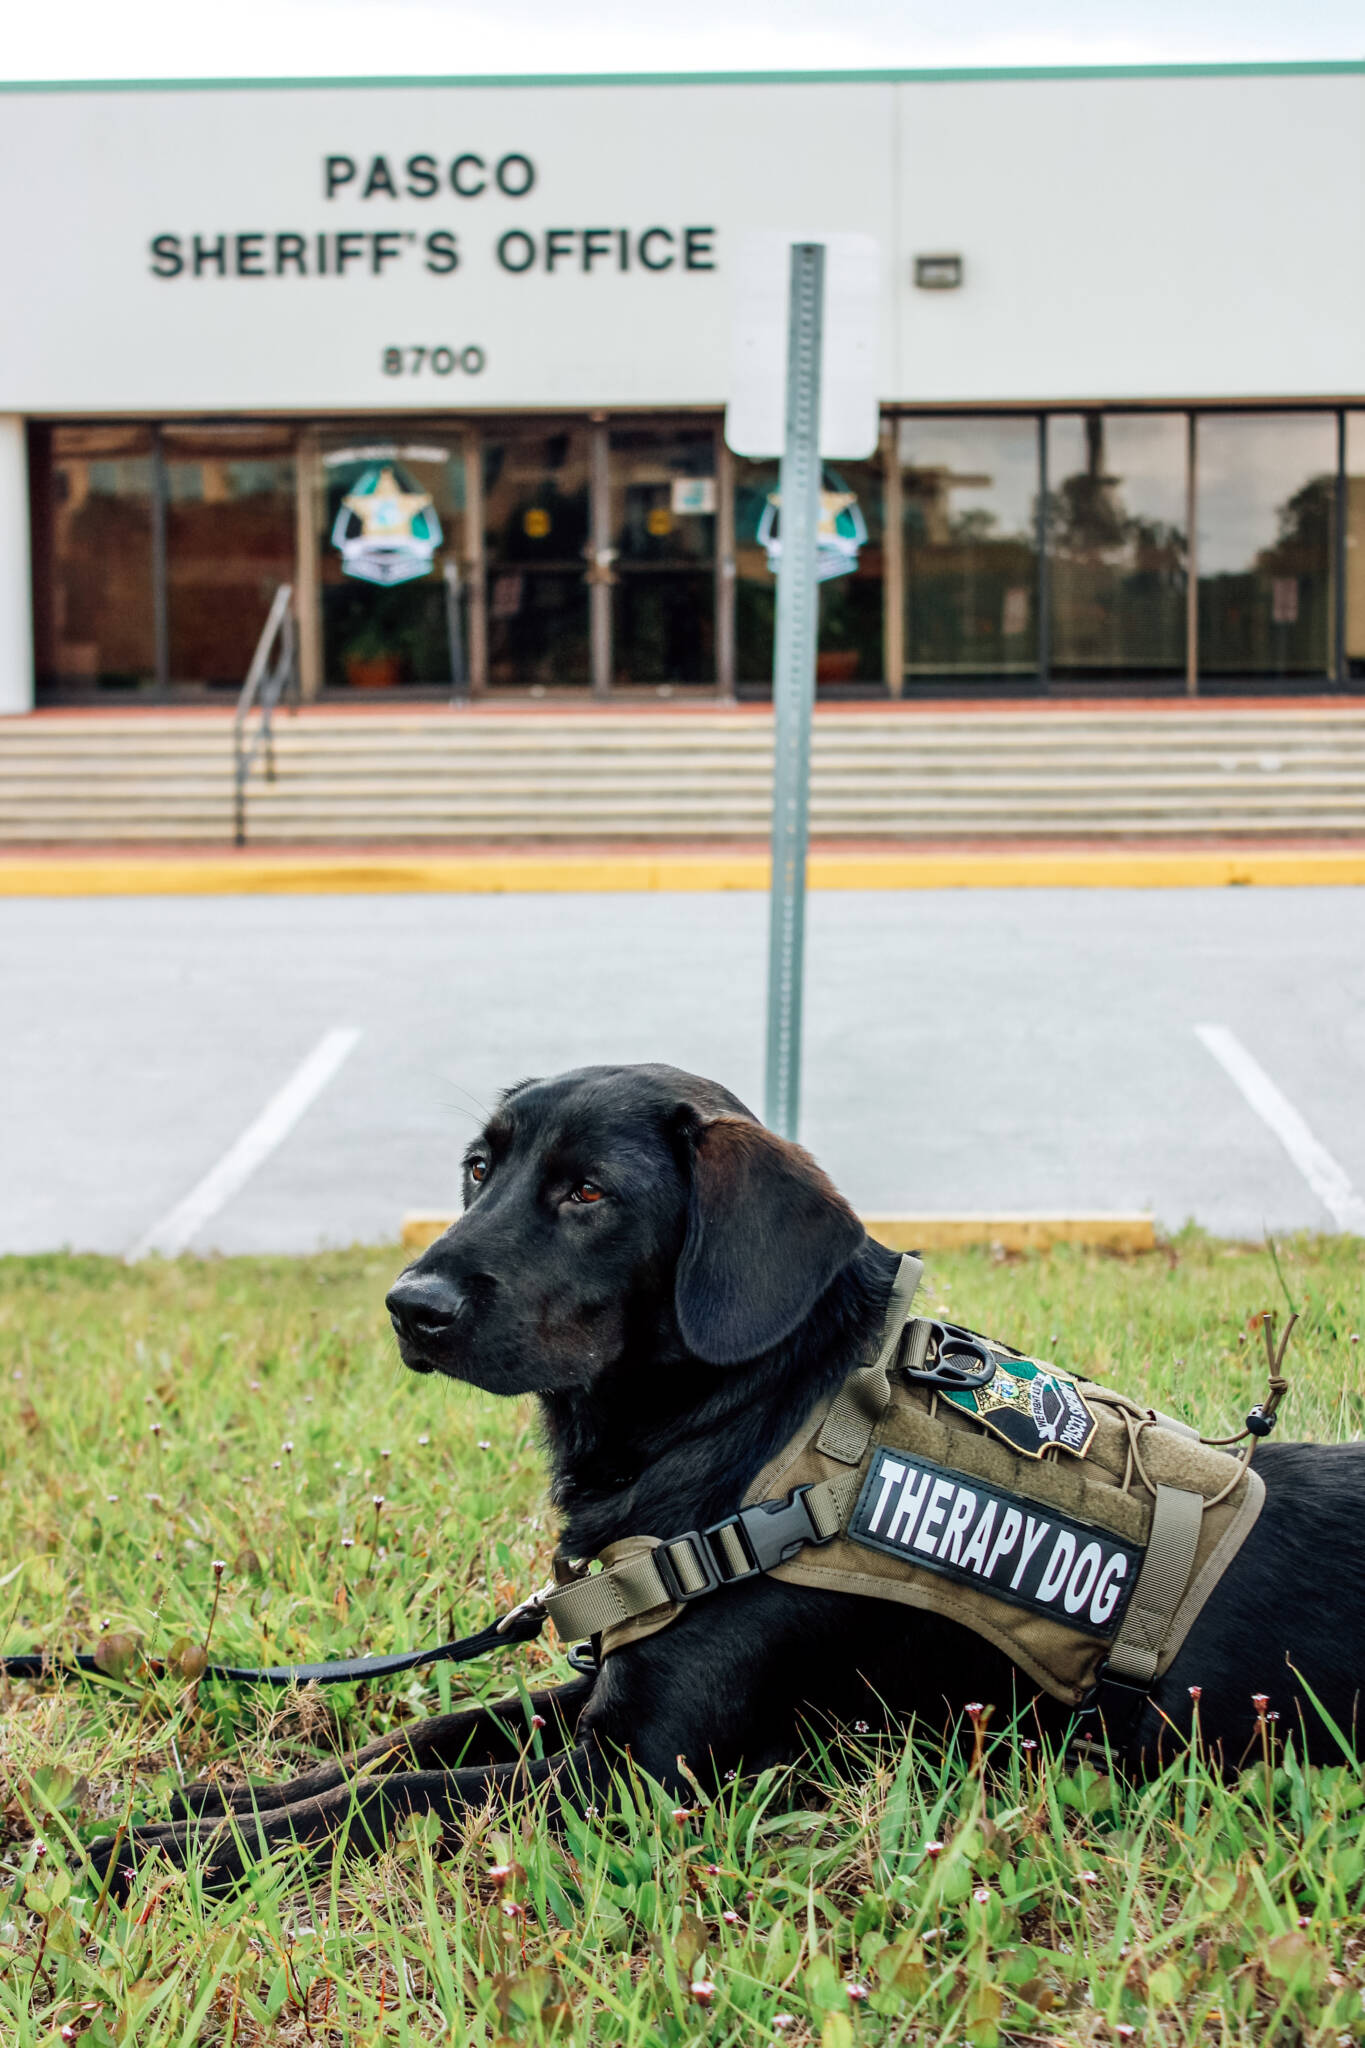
(679,1287)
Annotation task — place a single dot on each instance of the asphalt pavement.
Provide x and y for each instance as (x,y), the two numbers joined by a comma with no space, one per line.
(246,1074)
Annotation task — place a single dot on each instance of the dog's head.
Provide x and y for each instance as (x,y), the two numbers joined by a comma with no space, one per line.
(614,1210)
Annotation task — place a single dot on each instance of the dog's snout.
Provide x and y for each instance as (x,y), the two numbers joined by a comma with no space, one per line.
(423,1306)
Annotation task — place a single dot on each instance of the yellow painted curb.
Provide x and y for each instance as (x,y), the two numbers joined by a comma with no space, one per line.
(1020,1233)
(500,874)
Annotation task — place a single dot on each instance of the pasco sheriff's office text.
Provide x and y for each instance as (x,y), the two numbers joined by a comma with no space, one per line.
(373,251)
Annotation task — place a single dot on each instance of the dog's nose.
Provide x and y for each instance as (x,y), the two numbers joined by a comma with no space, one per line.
(423,1305)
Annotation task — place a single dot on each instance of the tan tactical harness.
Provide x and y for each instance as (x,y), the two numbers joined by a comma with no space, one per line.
(1145,1485)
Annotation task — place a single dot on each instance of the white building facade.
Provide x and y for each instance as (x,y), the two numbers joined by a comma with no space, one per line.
(450,359)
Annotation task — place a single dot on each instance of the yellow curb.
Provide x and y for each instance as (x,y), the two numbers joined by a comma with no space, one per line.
(501,874)
(1021,1233)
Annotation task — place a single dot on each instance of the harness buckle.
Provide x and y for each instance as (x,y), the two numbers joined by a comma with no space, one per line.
(775,1530)
(769,1533)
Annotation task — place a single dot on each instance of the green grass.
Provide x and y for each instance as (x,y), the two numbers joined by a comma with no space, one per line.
(152,1421)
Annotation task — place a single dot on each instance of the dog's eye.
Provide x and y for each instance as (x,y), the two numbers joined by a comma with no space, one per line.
(478,1168)
(586,1191)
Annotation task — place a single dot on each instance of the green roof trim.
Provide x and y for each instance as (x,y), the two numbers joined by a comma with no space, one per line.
(955,75)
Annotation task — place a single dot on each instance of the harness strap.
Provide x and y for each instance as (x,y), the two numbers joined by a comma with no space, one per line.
(642,1574)
(1161,1584)
(862,1400)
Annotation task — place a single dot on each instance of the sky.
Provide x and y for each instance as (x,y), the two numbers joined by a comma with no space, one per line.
(368,38)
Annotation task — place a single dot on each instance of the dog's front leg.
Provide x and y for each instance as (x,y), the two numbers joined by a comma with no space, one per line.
(476,1736)
(358,1816)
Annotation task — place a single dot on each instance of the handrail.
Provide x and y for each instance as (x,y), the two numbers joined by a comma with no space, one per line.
(274,668)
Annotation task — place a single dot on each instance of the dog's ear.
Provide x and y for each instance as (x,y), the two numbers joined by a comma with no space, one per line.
(766,1234)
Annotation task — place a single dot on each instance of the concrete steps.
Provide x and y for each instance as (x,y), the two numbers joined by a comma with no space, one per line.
(691,775)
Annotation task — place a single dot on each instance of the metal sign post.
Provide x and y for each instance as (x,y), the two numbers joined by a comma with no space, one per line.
(794,685)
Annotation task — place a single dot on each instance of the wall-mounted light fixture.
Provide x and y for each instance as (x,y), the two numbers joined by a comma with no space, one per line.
(938,273)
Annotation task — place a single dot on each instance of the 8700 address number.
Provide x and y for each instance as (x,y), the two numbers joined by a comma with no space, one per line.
(436,362)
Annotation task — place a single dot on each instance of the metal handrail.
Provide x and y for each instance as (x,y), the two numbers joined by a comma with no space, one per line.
(273,670)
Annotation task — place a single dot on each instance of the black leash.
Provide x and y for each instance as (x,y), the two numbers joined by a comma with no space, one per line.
(518,1627)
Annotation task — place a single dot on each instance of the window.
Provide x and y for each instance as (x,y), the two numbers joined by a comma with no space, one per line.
(1116,517)
(230,543)
(94,614)
(1355,545)
(970,495)
(1266,497)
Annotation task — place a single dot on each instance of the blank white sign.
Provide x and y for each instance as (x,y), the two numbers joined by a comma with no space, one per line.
(755,416)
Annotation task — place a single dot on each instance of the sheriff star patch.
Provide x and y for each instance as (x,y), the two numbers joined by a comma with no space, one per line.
(1031,1406)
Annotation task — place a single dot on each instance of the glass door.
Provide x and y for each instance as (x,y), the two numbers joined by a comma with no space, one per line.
(662,482)
(535,486)
(849,565)
(393,506)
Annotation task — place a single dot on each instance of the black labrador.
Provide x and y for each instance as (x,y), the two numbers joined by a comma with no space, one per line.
(678,1287)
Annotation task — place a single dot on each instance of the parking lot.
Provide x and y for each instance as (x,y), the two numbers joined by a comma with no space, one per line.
(278,1075)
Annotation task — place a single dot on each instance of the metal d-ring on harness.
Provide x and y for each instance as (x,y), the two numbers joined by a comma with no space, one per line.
(962,1360)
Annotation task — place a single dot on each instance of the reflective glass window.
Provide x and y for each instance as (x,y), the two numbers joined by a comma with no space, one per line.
(1355,545)
(230,543)
(392,510)
(662,491)
(850,647)
(1116,518)
(1266,486)
(970,496)
(92,537)
(535,480)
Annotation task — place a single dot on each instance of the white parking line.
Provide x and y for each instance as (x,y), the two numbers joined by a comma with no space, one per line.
(1327,1180)
(255,1145)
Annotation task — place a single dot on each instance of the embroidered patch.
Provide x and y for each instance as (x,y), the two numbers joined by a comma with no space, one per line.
(999,1542)
(1030,1406)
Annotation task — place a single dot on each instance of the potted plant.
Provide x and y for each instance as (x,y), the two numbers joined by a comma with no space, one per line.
(370,660)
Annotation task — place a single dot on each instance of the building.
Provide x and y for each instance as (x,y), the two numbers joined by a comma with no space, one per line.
(449,358)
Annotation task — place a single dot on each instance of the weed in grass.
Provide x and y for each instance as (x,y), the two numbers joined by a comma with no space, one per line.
(983,1893)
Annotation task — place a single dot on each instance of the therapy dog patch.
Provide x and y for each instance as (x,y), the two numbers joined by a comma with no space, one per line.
(1001,1543)
(1031,1407)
